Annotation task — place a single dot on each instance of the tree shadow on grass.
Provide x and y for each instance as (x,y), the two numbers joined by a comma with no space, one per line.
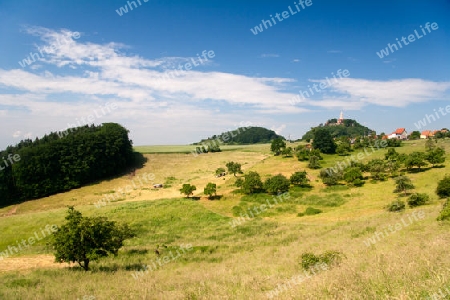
(216,197)
(136,252)
(417,170)
(108,268)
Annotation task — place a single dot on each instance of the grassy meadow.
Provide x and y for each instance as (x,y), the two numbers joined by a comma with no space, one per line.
(248,261)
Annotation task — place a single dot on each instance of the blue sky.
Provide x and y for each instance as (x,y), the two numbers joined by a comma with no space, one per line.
(77,62)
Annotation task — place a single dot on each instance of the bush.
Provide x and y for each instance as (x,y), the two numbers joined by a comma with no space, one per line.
(328,258)
(309,260)
(445,212)
(331,257)
(331,177)
(237,211)
(397,205)
(314,162)
(418,199)
(443,188)
(310,211)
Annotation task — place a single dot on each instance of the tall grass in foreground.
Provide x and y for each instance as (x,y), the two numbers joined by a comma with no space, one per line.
(250,260)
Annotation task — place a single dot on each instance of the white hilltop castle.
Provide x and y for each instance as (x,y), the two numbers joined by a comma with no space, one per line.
(340,121)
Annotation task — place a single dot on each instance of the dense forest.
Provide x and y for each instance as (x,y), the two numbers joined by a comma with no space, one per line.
(57,163)
(243,136)
(350,128)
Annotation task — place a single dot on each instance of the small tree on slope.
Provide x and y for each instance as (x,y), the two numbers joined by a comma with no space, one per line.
(84,239)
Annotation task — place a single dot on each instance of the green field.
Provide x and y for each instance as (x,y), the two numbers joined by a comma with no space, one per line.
(248,261)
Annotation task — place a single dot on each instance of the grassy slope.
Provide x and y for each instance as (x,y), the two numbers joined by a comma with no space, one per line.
(247,261)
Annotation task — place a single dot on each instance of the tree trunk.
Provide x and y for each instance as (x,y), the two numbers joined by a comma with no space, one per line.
(86,264)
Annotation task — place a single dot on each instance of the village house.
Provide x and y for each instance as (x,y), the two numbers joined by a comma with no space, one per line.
(399,133)
(426,134)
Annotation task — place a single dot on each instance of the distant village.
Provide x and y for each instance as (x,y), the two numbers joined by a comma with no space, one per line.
(399,133)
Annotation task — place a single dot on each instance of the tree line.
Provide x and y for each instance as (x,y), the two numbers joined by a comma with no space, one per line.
(51,164)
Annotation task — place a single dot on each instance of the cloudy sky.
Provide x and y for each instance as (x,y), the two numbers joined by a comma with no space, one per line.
(173,72)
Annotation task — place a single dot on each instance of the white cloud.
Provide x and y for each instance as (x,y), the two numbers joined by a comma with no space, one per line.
(153,98)
(17,134)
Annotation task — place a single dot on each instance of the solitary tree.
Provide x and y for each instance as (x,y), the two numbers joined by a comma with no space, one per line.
(210,189)
(277,184)
(233,167)
(415,159)
(403,184)
(436,156)
(377,168)
(277,146)
(188,189)
(84,239)
(287,152)
(323,141)
(252,183)
(299,178)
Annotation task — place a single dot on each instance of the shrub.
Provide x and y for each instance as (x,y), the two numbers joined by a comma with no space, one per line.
(331,257)
(397,205)
(418,199)
(309,260)
(328,258)
(443,188)
(330,176)
(445,212)
(314,162)
(353,174)
(312,211)
(239,182)
(237,211)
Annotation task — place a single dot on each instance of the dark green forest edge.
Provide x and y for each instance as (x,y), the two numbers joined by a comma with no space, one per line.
(243,136)
(58,162)
(349,128)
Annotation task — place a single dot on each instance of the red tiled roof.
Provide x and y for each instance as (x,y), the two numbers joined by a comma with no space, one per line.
(426,132)
(399,130)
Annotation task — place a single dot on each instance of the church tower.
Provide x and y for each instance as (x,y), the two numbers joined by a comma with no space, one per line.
(341,118)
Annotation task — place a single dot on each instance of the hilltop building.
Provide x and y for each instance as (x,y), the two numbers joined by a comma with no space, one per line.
(341,118)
